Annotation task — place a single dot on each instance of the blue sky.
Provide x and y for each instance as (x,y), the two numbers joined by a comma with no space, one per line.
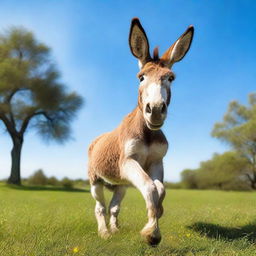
(89,41)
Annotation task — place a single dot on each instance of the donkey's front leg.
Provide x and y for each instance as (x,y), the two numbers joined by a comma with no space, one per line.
(133,172)
(156,172)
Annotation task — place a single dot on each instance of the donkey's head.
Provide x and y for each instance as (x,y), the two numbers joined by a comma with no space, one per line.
(155,73)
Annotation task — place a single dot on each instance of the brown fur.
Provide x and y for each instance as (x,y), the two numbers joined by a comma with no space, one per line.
(106,151)
(135,149)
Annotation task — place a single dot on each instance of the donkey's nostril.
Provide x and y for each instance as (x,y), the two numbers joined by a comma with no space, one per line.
(163,110)
(148,109)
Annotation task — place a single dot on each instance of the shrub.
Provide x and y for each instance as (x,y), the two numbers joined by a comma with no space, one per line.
(173,185)
(38,178)
(53,181)
(67,183)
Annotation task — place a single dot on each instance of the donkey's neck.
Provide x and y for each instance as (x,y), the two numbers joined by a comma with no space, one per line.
(139,122)
(134,127)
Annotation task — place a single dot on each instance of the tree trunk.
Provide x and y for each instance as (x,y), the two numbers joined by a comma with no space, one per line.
(253,185)
(16,155)
(253,182)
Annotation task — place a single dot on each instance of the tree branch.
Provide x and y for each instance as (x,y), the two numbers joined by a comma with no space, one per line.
(13,92)
(29,117)
(8,100)
(10,128)
(10,96)
(249,177)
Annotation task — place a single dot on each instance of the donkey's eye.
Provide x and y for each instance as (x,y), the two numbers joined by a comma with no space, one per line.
(141,78)
(171,78)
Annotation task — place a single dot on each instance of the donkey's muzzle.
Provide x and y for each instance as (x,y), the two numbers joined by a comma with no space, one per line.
(156,115)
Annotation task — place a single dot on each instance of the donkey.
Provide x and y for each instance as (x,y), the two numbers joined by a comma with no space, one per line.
(133,152)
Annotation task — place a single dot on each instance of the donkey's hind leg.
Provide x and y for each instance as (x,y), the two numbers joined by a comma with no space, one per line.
(100,209)
(114,207)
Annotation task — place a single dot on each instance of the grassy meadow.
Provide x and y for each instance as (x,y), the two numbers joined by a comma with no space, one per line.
(48,221)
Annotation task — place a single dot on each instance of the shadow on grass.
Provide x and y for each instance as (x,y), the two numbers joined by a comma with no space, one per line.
(47,188)
(226,233)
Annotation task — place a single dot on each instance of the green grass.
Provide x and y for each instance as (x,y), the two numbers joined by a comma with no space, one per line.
(35,221)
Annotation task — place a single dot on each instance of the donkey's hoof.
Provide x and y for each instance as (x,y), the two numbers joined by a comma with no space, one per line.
(152,240)
(104,234)
(114,229)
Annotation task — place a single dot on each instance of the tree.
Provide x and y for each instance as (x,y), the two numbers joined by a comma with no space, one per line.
(221,171)
(67,183)
(31,93)
(238,129)
(38,178)
(53,181)
(189,178)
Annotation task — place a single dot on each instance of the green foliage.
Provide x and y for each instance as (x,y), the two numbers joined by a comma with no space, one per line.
(234,170)
(195,222)
(189,179)
(67,183)
(38,178)
(53,181)
(223,171)
(30,88)
(32,94)
(238,129)
(173,185)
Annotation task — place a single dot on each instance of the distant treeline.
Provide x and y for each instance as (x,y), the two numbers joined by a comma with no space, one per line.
(38,178)
(223,171)
(227,171)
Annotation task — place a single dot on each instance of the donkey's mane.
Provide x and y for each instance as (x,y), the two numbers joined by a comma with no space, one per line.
(156,54)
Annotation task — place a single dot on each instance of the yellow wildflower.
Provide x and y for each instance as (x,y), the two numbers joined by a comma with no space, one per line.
(75,250)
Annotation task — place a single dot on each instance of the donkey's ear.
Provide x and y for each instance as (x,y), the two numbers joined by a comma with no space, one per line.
(179,49)
(138,42)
